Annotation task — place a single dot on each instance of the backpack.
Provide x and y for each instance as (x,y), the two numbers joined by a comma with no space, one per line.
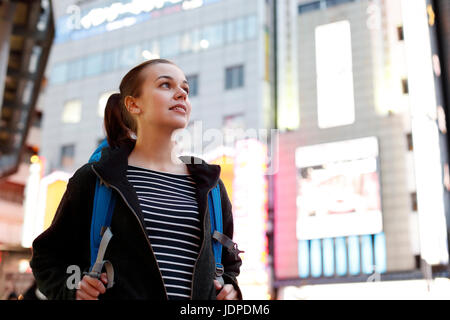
(101,220)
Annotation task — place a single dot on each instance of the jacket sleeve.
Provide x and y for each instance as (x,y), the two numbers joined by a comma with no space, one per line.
(230,263)
(61,253)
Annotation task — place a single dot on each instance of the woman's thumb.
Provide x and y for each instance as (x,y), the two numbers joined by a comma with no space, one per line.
(217,285)
(104,278)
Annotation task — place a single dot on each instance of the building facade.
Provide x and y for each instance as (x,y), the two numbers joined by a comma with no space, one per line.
(221,45)
(352,195)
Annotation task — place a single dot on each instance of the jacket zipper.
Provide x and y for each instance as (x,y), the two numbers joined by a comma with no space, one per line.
(140,224)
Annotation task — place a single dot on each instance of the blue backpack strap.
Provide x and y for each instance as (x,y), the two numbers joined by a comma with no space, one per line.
(101,216)
(215,212)
(219,239)
(103,207)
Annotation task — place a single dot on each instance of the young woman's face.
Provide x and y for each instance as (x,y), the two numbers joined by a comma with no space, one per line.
(164,100)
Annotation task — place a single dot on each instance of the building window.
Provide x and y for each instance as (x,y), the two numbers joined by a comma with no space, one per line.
(240,29)
(67,156)
(71,112)
(193,85)
(213,36)
(170,46)
(75,69)
(93,65)
(252,27)
(110,60)
(234,77)
(129,56)
(59,73)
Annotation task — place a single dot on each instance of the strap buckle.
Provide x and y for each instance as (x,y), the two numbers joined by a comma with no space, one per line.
(235,250)
(219,272)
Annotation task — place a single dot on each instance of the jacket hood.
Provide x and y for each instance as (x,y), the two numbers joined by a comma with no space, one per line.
(113,164)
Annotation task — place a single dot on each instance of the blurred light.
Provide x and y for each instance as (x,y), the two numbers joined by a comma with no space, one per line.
(120,24)
(436,65)
(192,4)
(425,133)
(24,266)
(335,97)
(149,55)
(34,159)
(204,44)
(30,202)
(98,16)
(431,15)
(438,288)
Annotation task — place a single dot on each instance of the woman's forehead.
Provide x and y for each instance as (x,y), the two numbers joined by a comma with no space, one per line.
(156,71)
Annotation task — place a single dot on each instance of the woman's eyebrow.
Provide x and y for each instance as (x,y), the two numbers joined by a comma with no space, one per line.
(169,77)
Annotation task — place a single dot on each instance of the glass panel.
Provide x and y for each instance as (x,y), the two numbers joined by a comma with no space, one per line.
(93,65)
(251,27)
(71,112)
(129,56)
(59,73)
(193,85)
(75,69)
(195,38)
(213,35)
(240,29)
(170,46)
(110,60)
(230,32)
(67,155)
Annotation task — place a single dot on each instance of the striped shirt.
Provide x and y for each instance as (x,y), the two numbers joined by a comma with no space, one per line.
(172,223)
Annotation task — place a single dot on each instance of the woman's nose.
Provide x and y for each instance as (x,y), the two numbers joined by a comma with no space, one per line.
(180,93)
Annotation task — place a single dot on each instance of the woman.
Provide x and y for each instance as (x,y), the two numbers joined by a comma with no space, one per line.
(161,248)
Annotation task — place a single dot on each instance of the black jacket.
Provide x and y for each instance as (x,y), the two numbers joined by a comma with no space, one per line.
(66,241)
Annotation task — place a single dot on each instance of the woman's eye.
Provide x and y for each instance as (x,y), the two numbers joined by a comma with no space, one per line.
(186,89)
(166,84)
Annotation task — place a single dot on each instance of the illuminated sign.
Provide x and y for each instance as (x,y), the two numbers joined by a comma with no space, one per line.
(425,134)
(243,174)
(335,98)
(42,198)
(77,24)
(338,189)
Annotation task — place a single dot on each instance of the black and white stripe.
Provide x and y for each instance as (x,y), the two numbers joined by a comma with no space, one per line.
(172,223)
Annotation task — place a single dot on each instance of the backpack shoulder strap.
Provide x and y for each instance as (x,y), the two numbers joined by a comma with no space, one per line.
(103,207)
(219,239)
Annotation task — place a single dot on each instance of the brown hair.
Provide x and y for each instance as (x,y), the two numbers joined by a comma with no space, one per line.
(119,124)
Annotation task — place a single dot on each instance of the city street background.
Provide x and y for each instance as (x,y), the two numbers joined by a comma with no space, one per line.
(328,117)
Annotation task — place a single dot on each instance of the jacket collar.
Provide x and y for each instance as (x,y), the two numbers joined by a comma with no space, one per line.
(112,167)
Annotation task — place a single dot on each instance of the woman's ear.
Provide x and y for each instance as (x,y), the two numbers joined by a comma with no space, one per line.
(131,105)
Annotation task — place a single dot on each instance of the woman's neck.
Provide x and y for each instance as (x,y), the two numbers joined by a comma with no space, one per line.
(156,151)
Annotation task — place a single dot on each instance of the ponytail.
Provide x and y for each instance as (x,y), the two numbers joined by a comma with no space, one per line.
(118,122)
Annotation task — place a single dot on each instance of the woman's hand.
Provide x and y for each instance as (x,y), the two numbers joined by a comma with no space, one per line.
(227,293)
(90,288)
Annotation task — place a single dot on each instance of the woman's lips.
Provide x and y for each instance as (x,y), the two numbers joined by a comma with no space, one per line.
(179,108)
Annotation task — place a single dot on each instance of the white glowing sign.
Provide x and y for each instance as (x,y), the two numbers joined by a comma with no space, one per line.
(335,98)
(78,24)
(36,201)
(98,16)
(250,214)
(425,134)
